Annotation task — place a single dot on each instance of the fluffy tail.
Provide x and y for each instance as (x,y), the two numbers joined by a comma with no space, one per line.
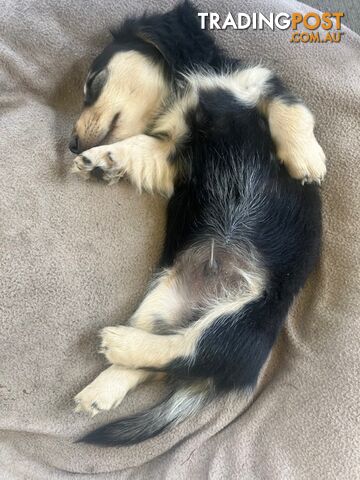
(182,402)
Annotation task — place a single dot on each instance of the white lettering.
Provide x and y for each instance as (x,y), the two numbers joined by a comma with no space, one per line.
(229,22)
(285,23)
(214,21)
(256,20)
(242,26)
(268,21)
(203,16)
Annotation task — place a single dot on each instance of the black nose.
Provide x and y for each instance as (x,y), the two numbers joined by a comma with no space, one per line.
(74,144)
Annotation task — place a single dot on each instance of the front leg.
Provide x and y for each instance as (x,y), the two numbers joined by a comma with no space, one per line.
(292,130)
(290,121)
(143,159)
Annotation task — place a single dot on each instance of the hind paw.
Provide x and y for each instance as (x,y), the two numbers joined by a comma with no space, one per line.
(135,348)
(105,392)
(120,344)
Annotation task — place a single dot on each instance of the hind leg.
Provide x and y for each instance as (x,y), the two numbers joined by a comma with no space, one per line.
(160,311)
(109,389)
(164,307)
(201,298)
(135,348)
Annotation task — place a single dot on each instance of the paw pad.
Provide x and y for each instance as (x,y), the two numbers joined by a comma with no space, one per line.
(97,173)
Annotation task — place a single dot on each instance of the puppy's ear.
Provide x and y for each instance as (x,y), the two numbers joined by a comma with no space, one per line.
(144,31)
(150,38)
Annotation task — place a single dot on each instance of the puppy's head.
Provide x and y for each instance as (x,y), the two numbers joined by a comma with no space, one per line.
(123,90)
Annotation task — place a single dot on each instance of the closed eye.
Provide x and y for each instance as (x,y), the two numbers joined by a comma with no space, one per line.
(91,78)
(94,86)
(89,81)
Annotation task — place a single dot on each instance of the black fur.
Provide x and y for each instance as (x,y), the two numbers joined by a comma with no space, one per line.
(234,191)
(276,88)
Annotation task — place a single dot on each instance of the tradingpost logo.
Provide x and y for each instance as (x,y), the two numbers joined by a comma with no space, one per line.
(323,27)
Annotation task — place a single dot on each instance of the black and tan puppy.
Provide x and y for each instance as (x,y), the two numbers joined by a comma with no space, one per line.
(236,154)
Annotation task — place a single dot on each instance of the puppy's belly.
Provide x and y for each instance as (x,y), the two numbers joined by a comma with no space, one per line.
(212,271)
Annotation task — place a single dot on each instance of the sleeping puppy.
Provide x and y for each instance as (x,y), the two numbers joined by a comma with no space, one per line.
(235,153)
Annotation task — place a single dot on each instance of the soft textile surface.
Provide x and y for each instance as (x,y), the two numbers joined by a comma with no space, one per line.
(76,256)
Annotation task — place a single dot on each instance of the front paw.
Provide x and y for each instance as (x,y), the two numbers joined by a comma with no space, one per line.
(305,162)
(100,163)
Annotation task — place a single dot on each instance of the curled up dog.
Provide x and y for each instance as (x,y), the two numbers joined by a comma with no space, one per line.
(235,153)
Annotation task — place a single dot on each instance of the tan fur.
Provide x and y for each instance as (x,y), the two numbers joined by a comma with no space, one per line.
(135,89)
(292,129)
(164,304)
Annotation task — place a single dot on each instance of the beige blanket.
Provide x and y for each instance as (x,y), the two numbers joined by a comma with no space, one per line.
(76,256)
